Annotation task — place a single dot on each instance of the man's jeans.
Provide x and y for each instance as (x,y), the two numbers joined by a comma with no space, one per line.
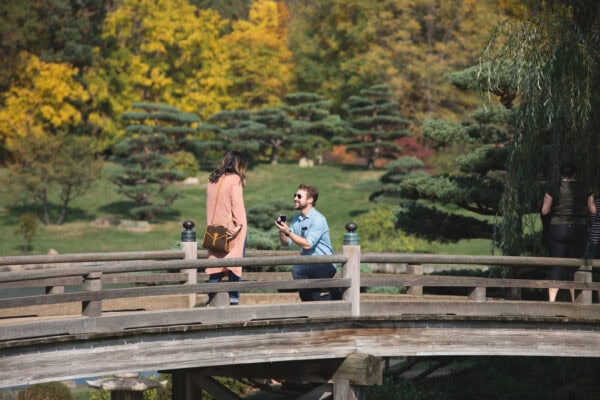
(234,297)
(316,271)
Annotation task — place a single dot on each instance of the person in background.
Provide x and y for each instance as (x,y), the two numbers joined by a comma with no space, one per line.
(593,244)
(309,231)
(228,179)
(567,203)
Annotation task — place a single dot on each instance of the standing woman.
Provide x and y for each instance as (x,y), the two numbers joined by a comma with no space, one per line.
(568,205)
(225,206)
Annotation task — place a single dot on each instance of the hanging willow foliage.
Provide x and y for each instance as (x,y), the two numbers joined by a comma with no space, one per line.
(554,60)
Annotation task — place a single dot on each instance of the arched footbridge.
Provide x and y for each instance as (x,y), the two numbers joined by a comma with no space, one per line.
(96,314)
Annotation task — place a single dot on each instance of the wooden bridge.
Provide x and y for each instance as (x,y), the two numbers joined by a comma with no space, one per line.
(110,313)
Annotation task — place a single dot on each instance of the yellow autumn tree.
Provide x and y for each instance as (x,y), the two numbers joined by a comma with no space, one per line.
(44,99)
(261,62)
(164,51)
(48,163)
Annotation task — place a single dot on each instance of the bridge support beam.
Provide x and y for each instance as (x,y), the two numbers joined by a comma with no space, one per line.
(214,388)
(357,371)
(126,386)
(343,390)
(183,386)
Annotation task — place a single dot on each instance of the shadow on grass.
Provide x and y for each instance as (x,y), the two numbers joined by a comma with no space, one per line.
(72,214)
(357,167)
(357,213)
(122,210)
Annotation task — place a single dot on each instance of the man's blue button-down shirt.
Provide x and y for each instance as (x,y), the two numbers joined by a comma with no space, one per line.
(315,230)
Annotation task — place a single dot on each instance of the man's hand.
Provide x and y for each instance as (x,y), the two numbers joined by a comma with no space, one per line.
(282,226)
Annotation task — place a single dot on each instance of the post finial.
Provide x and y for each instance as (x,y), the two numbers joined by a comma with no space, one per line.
(351,237)
(188,234)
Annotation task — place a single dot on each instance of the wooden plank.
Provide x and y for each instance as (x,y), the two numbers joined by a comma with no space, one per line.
(351,271)
(158,320)
(342,391)
(137,266)
(157,277)
(424,310)
(466,281)
(286,342)
(92,257)
(472,261)
(171,290)
(66,281)
(509,310)
(415,269)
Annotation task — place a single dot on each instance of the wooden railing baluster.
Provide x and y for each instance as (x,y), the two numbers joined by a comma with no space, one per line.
(92,283)
(415,269)
(583,274)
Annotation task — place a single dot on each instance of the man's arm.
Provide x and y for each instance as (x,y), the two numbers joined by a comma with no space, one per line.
(287,236)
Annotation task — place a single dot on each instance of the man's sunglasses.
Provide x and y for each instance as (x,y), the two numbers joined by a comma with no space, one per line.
(297,195)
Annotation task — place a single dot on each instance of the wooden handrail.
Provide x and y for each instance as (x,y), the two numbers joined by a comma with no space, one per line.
(91,257)
(444,259)
(138,266)
(169,266)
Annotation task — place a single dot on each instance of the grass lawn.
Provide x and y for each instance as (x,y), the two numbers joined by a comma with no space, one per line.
(340,200)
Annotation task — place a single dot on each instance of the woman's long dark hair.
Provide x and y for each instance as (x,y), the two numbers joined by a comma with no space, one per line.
(232,163)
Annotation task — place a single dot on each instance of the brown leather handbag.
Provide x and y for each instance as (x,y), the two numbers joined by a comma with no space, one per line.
(215,236)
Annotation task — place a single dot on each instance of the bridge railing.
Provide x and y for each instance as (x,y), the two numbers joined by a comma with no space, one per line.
(478,287)
(92,280)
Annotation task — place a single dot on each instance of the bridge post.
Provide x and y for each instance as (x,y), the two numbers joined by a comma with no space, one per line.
(351,268)
(127,386)
(584,274)
(92,282)
(189,245)
(415,269)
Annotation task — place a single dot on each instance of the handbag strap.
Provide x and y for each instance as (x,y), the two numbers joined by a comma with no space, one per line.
(221,179)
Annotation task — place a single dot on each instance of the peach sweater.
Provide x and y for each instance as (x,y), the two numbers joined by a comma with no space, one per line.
(229,211)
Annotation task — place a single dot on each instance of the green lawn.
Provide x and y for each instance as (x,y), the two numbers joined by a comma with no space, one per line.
(340,200)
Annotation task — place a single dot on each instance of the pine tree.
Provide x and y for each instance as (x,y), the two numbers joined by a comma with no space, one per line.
(375,124)
(273,137)
(231,130)
(485,139)
(313,126)
(153,136)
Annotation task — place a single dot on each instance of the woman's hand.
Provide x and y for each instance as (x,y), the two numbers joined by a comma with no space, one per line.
(231,233)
